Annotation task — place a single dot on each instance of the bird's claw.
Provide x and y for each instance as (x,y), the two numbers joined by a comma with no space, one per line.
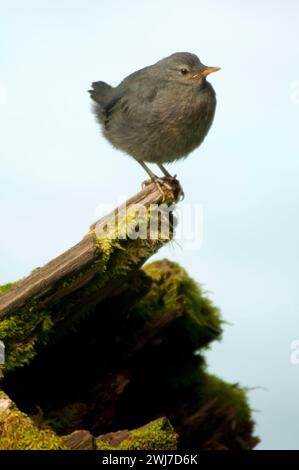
(180,191)
(167,182)
(160,183)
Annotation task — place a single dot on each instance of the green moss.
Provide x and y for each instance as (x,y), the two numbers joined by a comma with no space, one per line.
(223,415)
(102,445)
(6,287)
(174,294)
(231,396)
(68,417)
(20,332)
(19,433)
(158,435)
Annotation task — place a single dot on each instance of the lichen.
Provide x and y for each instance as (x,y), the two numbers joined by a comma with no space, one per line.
(158,435)
(17,432)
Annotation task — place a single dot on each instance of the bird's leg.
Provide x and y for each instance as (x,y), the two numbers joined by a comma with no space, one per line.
(159,182)
(172,178)
(165,172)
(152,175)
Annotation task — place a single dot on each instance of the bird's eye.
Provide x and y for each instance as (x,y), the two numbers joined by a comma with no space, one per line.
(184,71)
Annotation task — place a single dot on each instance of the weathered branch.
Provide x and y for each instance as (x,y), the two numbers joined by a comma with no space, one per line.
(78,264)
(101,266)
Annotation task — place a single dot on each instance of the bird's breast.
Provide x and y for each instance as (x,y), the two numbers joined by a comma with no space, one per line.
(165,129)
(179,126)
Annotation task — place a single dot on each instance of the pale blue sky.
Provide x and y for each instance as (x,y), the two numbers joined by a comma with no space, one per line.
(56,168)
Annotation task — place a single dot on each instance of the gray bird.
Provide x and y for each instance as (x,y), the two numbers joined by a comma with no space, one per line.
(160,113)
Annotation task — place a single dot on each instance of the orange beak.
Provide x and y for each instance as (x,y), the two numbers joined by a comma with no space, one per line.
(206,72)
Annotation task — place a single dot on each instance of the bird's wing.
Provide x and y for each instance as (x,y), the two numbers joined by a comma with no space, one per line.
(131,97)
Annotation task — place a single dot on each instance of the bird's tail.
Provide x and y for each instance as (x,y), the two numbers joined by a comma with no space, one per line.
(101,93)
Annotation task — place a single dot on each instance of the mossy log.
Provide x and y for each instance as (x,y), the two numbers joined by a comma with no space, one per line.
(19,432)
(97,343)
(42,283)
(100,266)
(140,356)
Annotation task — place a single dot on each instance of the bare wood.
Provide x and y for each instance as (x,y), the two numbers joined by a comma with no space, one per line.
(80,440)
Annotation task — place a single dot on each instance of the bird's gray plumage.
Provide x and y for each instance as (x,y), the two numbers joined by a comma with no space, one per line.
(157,114)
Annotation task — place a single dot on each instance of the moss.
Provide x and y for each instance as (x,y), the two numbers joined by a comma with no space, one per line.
(6,287)
(67,418)
(174,294)
(20,332)
(158,435)
(231,396)
(222,418)
(17,432)
(102,445)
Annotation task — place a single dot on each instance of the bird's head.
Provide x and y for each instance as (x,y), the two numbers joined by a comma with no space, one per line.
(183,67)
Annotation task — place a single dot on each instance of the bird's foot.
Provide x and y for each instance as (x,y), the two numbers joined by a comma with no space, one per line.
(166,183)
(178,187)
(161,184)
